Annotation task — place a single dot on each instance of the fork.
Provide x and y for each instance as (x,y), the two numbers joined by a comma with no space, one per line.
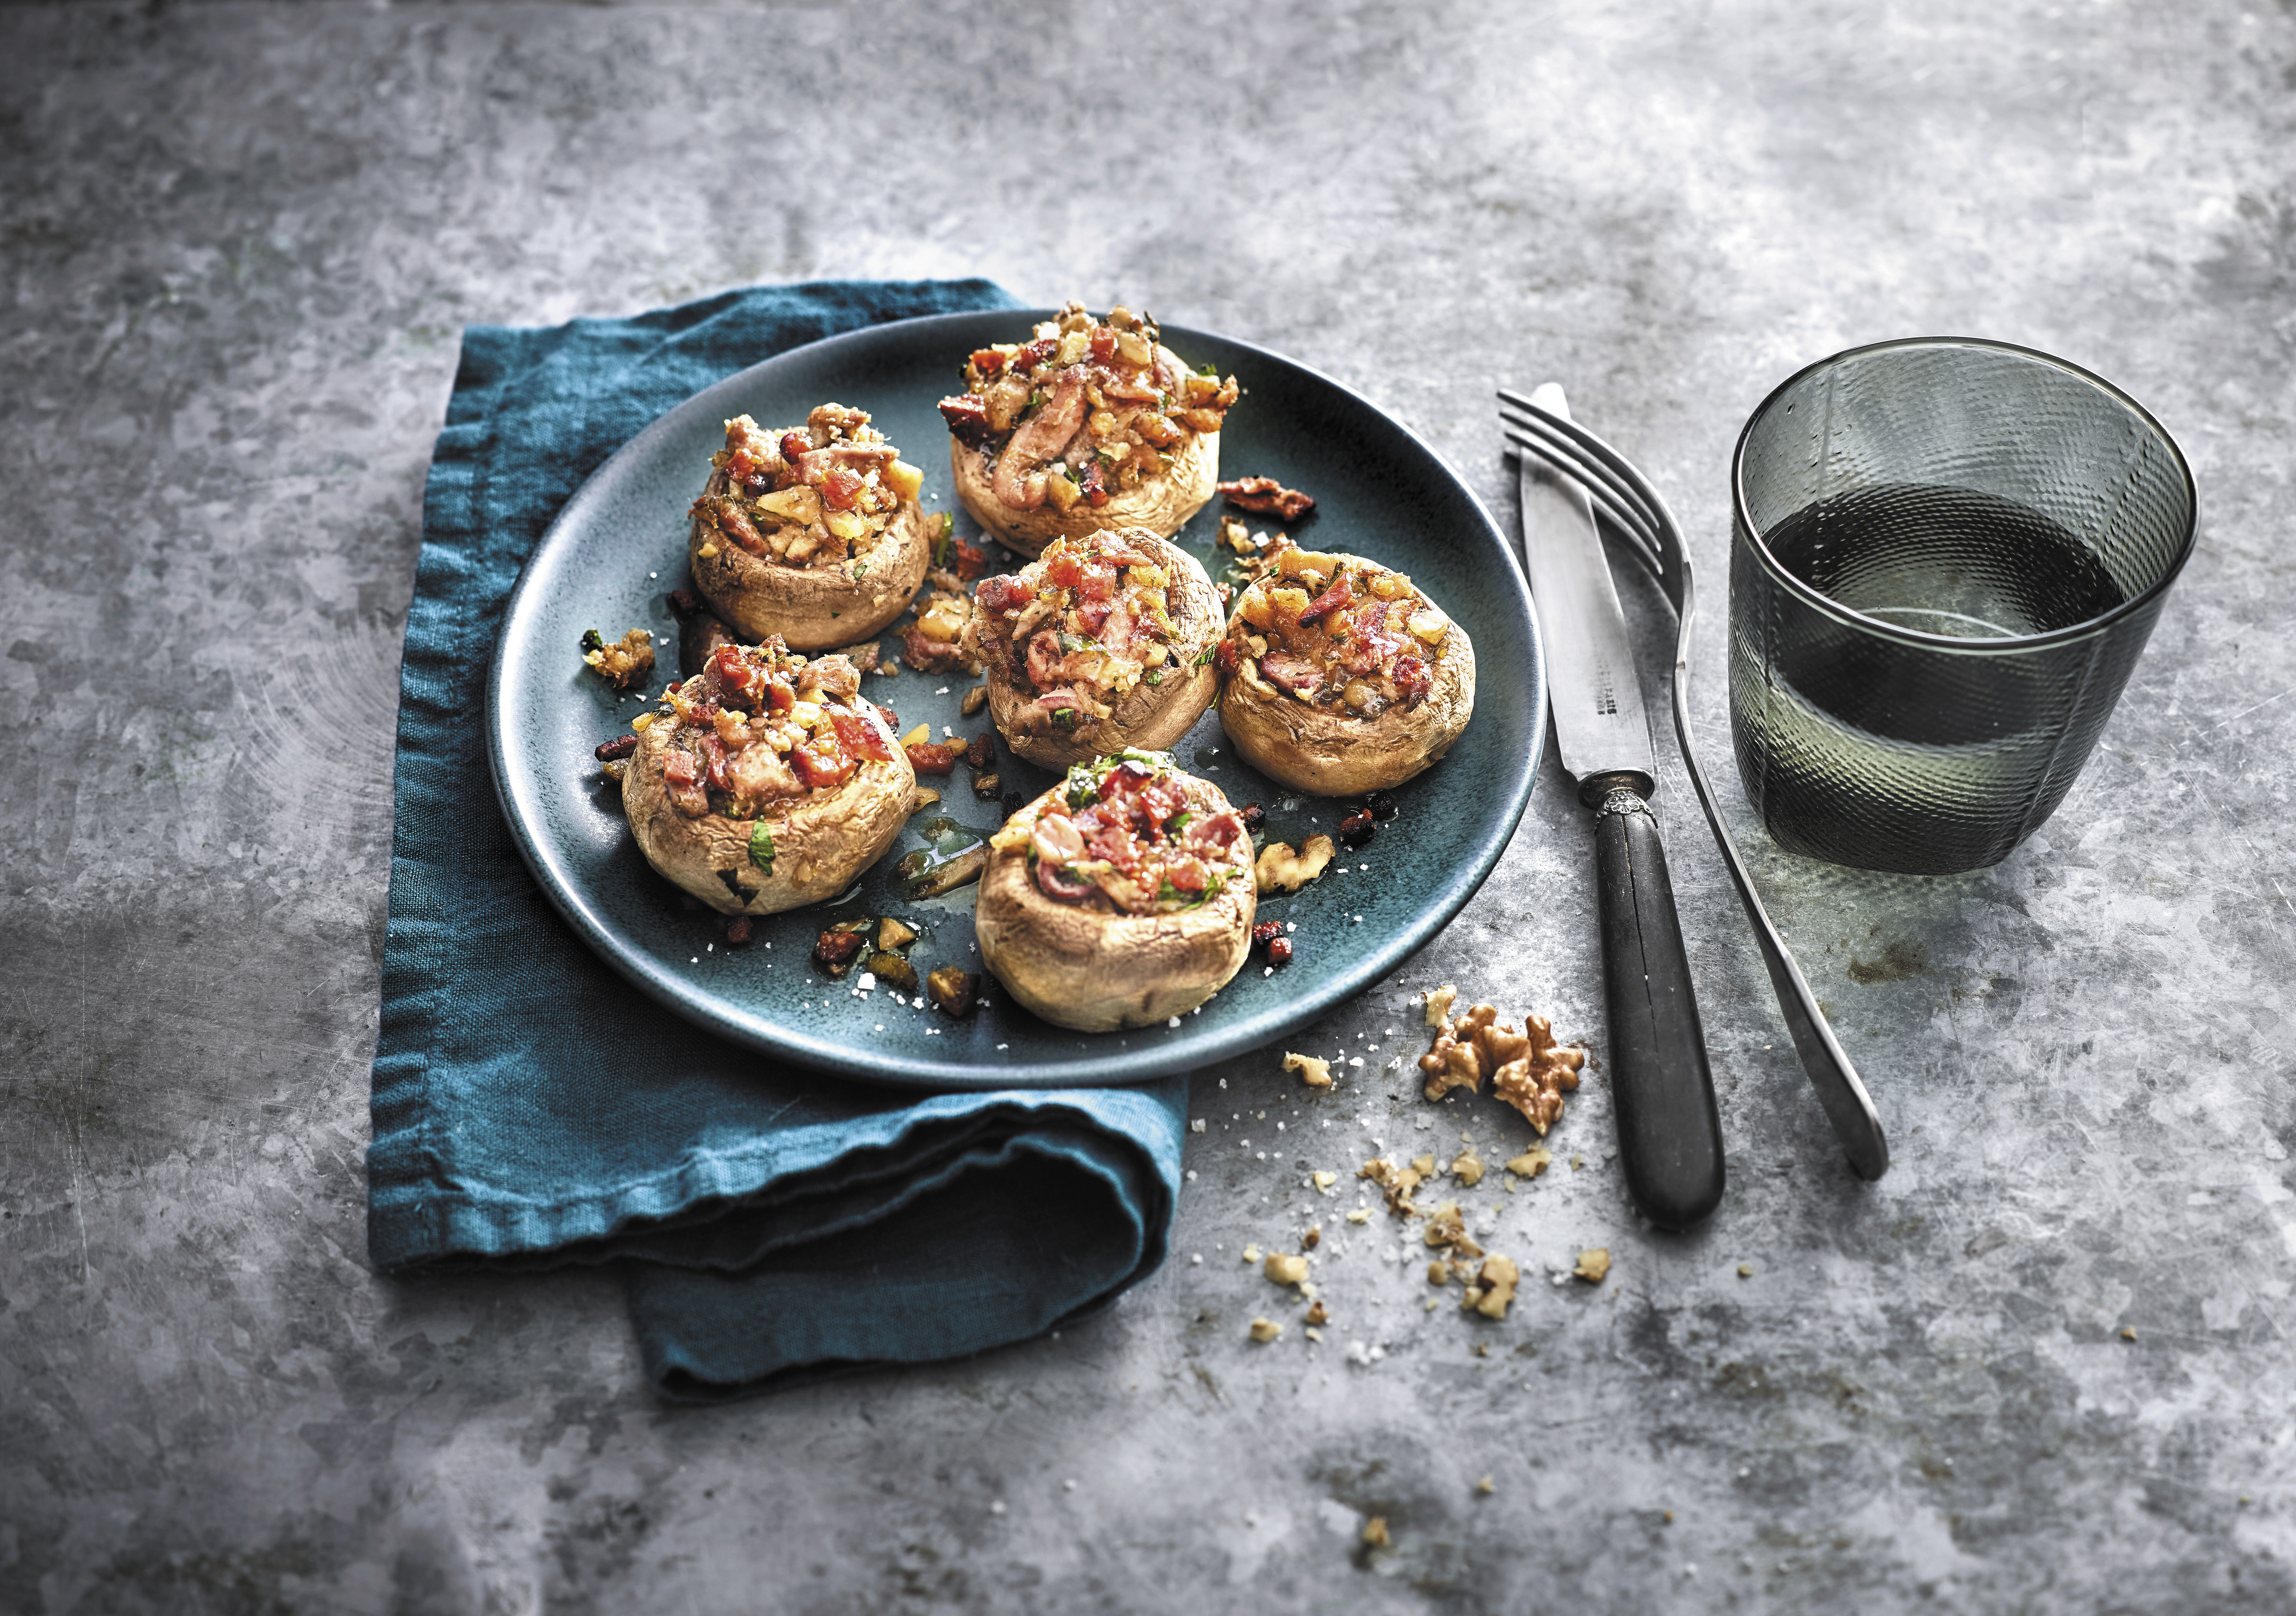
(1627,504)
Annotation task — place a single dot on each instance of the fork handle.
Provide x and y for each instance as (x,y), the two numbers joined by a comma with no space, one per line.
(1670,1132)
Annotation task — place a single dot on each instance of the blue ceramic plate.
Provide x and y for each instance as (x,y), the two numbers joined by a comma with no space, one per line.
(619,547)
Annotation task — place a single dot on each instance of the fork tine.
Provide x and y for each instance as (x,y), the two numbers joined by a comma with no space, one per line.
(1545,438)
(1585,456)
(1566,459)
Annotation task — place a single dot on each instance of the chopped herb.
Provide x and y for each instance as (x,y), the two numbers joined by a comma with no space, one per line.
(761,847)
(860,570)
(1071,643)
(1180,822)
(1035,397)
(1207,370)
(1209,651)
(592,640)
(1154,676)
(1065,718)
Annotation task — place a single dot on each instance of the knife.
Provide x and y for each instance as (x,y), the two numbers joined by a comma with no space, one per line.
(1670,1132)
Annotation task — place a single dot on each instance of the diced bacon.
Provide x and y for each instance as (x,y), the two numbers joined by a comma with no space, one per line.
(1266,496)
(1339,596)
(839,487)
(1219,831)
(1007,592)
(819,766)
(1089,615)
(857,737)
(795,446)
(713,763)
(1412,681)
(1188,873)
(1098,582)
(972,560)
(967,414)
(1295,674)
(932,757)
(1044,659)
(1095,485)
(736,526)
(987,361)
(1229,658)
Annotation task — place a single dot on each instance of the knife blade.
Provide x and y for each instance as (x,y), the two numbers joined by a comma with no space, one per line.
(1662,1085)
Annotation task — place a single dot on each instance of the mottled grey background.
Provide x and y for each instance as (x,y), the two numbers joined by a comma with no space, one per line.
(239,243)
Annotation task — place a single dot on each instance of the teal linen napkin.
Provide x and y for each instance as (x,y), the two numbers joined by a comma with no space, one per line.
(531,1108)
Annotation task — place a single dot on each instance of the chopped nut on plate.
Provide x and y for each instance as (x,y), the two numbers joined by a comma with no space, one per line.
(1438,1004)
(1446,1227)
(1467,1167)
(1487,1486)
(1282,868)
(1375,1531)
(1594,1264)
(1316,1314)
(1313,1073)
(893,934)
(951,991)
(1265,1329)
(1313,1238)
(1285,1269)
(624,663)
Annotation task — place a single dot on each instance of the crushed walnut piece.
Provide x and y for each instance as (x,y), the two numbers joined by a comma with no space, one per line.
(1374,1532)
(1530,1163)
(1535,1083)
(1494,1287)
(1284,868)
(1313,1073)
(624,663)
(1396,1182)
(1265,1329)
(1594,1264)
(1285,1269)
(1316,1314)
(1467,1167)
(1313,1238)
(1439,1272)
(1439,1003)
(1447,1226)
(1527,1070)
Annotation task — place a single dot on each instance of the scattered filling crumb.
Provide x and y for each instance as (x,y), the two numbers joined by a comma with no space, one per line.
(1313,1073)
(1594,1264)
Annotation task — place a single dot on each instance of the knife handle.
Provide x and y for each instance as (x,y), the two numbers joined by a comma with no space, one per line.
(1670,1133)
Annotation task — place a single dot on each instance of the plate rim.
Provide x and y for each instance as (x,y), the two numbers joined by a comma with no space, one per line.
(1106,1058)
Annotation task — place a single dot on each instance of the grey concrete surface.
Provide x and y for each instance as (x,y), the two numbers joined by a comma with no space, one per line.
(239,242)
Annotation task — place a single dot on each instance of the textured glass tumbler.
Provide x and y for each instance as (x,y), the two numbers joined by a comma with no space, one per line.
(1946,556)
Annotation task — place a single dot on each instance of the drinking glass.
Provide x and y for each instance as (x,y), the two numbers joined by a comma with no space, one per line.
(1946,556)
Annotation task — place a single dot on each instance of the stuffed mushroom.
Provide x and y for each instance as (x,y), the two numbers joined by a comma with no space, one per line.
(1091,424)
(1341,676)
(1120,898)
(1103,642)
(813,534)
(766,781)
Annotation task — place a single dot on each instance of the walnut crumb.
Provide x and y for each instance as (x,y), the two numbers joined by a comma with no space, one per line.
(1375,1531)
(1313,1073)
(1495,1286)
(1362,1214)
(1285,1269)
(1487,1486)
(1317,1315)
(1398,1182)
(1745,1270)
(1446,1227)
(2128,1333)
(1424,1166)
(1323,1181)
(1594,1264)
(1284,868)
(622,664)
(1438,1004)
(1313,1238)
(1467,1167)
(1265,1329)
(1530,1163)
(1439,1272)
(1251,1252)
